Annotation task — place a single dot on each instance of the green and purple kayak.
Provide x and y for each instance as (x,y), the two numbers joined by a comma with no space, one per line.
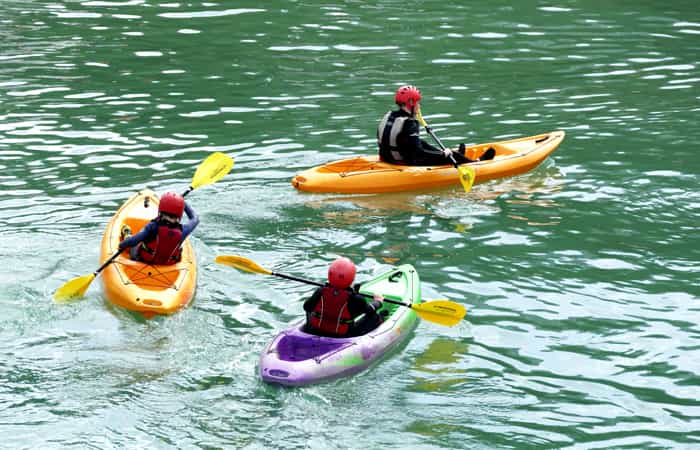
(297,358)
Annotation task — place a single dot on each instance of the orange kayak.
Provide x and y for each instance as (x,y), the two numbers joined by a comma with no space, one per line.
(368,175)
(137,286)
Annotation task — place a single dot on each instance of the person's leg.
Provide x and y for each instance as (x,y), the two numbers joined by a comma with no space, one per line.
(430,159)
(488,154)
(485,156)
(429,155)
(460,158)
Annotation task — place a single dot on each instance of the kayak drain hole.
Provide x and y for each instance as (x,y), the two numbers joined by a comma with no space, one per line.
(279,373)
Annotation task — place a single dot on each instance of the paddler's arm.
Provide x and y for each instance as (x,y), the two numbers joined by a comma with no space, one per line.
(412,141)
(357,304)
(311,302)
(141,236)
(192,221)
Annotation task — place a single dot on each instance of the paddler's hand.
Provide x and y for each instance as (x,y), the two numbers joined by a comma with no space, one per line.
(447,152)
(378,297)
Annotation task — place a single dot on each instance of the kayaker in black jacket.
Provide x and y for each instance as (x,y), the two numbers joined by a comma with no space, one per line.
(333,309)
(398,135)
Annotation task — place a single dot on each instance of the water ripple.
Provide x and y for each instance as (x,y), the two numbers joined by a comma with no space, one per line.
(578,276)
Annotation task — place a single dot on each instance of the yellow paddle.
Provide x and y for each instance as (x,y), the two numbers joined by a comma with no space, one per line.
(466,173)
(211,170)
(443,312)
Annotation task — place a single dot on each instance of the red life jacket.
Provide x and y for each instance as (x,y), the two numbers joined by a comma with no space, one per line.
(165,248)
(331,315)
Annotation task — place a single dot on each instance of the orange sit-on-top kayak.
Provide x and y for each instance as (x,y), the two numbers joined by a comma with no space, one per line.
(368,175)
(137,286)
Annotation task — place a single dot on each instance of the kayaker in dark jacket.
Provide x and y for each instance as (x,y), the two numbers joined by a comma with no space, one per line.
(332,310)
(160,241)
(398,135)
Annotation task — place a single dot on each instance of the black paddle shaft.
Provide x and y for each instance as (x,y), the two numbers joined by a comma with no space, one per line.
(430,132)
(442,147)
(108,262)
(315,283)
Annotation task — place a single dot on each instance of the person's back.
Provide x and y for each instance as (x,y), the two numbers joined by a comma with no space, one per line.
(332,310)
(160,241)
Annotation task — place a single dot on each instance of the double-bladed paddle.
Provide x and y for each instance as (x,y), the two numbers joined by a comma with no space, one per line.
(211,170)
(466,173)
(443,312)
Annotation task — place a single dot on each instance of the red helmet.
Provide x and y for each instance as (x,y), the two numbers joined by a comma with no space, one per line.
(341,273)
(172,203)
(407,95)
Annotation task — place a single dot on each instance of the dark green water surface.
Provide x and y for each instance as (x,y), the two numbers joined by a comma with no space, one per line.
(580,277)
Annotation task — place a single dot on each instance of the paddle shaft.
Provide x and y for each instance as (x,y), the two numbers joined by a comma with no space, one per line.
(106,263)
(315,283)
(430,132)
(443,312)
(442,147)
(439,142)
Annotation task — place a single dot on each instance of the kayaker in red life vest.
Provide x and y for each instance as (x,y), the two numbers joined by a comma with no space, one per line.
(331,310)
(159,242)
(398,136)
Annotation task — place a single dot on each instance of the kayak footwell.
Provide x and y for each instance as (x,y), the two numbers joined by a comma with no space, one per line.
(297,348)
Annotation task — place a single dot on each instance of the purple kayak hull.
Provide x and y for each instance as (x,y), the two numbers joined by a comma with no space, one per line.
(297,358)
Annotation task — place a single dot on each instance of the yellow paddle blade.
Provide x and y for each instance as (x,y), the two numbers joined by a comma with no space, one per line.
(241,263)
(443,312)
(74,289)
(212,169)
(466,177)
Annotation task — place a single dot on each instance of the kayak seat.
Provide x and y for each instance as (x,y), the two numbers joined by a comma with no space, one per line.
(125,232)
(139,217)
(135,223)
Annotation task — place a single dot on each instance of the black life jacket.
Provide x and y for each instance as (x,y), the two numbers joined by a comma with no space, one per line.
(387,133)
(331,314)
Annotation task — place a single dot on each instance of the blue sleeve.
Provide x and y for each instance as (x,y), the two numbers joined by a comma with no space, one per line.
(192,222)
(138,237)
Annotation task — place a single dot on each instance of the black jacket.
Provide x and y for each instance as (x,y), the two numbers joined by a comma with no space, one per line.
(406,146)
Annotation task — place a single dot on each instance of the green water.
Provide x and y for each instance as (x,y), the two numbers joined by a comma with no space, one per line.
(580,277)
